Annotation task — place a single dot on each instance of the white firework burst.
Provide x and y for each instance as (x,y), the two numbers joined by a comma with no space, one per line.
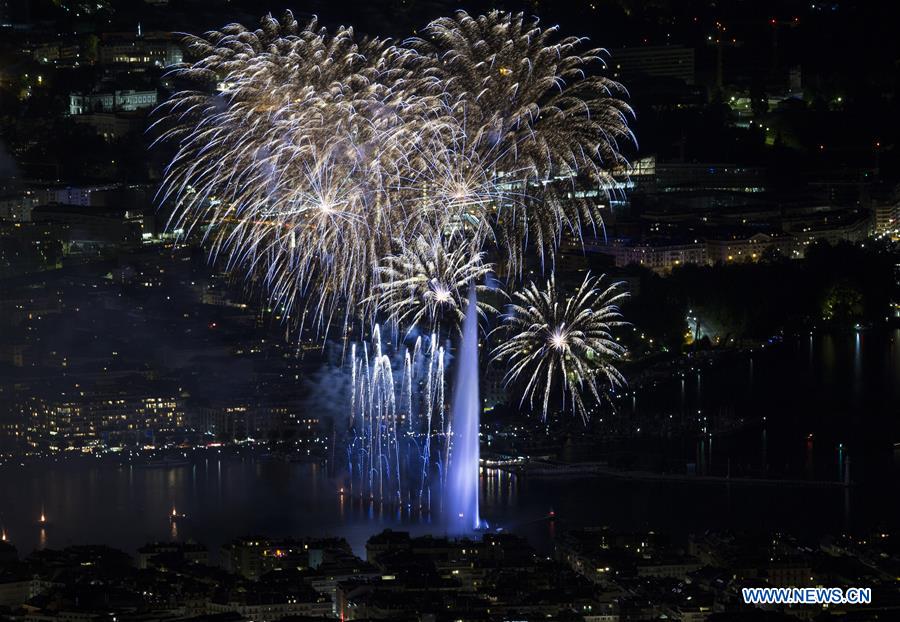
(565,344)
(527,96)
(427,283)
(313,160)
(285,146)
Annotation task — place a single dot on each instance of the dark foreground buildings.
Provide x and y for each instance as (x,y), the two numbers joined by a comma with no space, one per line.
(594,575)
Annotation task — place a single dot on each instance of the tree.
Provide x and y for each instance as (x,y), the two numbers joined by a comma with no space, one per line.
(843,304)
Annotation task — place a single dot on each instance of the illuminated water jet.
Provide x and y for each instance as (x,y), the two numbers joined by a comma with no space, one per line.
(462,486)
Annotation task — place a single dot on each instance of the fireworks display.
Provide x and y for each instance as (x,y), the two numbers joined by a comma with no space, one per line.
(398,429)
(297,153)
(354,178)
(308,157)
(426,284)
(528,104)
(561,343)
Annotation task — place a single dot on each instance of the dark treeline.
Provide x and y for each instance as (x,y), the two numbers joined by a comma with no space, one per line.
(834,287)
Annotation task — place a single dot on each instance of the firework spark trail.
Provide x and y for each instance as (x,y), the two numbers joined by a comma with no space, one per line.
(563,343)
(354,179)
(423,285)
(396,430)
(286,161)
(526,93)
(307,157)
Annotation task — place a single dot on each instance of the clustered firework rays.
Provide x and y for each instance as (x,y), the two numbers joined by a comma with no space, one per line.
(354,177)
(425,284)
(563,344)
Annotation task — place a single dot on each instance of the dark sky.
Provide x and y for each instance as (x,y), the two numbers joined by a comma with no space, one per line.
(848,37)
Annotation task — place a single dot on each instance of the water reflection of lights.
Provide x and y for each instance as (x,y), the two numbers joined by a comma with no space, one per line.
(499,486)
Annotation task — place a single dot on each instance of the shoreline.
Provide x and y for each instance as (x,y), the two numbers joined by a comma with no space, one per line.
(589,470)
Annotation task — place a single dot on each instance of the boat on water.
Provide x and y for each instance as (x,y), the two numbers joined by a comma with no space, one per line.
(42,521)
(176,515)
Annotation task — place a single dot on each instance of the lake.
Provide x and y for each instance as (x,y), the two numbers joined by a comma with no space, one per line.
(824,399)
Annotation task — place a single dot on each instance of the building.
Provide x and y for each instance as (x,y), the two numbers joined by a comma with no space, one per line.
(253,557)
(12,432)
(655,61)
(665,177)
(493,386)
(91,229)
(140,51)
(886,217)
(258,420)
(60,53)
(189,552)
(112,101)
(672,568)
(747,246)
(86,196)
(98,419)
(15,588)
(265,605)
(658,254)
(832,226)
(17,206)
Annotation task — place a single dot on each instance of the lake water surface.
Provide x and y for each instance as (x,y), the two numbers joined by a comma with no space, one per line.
(841,389)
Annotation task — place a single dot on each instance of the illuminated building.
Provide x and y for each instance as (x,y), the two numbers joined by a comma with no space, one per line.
(658,254)
(140,51)
(887,218)
(253,557)
(91,421)
(111,101)
(742,247)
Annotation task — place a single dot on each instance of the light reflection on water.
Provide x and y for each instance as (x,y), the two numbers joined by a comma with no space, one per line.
(846,393)
(126,507)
